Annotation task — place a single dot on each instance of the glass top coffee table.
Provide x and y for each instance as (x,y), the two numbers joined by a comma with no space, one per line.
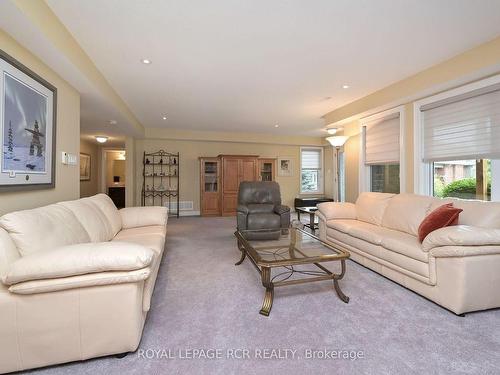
(298,255)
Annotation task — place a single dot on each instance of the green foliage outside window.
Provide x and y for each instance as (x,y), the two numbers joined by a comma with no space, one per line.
(464,188)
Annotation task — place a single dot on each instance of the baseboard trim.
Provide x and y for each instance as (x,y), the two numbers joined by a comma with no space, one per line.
(189,213)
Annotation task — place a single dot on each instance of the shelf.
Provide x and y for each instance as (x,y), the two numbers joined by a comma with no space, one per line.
(165,164)
(163,172)
(150,175)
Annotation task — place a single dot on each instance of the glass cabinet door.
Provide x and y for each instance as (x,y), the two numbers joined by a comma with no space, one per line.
(210,176)
(266,171)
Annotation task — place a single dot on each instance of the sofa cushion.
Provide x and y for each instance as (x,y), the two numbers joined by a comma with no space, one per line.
(92,218)
(370,207)
(405,244)
(393,240)
(262,208)
(475,213)
(155,242)
(145,231)
(8,251)
(43,228)
(263,221)
(342,225)
(79,259)
(441,217)
(108,208)
(381,255)
(405,212)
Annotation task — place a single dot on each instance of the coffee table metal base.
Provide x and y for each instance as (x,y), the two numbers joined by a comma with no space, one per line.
(265,273)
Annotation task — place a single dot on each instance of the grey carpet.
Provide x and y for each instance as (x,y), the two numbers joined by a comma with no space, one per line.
(203,301)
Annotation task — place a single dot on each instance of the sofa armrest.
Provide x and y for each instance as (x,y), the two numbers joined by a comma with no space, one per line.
(80,281)
(337,210)
(281,209)
(461,235)
(133,217)
(78,259)
(463,251)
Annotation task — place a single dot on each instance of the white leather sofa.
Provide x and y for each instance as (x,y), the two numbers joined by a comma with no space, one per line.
(77,279)
(457,267)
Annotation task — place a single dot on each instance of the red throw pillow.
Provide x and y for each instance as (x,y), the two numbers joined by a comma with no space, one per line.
(441,217)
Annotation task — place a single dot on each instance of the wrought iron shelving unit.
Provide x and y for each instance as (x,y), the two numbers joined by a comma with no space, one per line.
(160,168)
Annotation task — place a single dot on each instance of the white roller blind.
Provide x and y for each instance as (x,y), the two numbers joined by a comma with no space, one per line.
(464,127)
(382,141)
(311,159)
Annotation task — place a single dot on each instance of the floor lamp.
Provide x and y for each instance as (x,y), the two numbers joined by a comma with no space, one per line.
(337,142)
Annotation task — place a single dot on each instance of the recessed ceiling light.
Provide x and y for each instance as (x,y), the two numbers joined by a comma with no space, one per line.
(345,86)
(164,117)
(101,139)
(146,61)
(112,122)
(276,126)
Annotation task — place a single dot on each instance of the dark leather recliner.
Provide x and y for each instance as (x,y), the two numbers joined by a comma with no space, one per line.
(259,207)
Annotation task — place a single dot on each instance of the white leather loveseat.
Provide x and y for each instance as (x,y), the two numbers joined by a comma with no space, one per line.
(77,279)
(457,267)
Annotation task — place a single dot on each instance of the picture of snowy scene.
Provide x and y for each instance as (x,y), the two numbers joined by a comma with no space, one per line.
(24,128)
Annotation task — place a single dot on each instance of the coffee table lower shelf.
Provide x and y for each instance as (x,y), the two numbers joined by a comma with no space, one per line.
(269,284)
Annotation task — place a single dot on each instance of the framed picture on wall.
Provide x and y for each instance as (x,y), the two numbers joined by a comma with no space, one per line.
(27,128)
(285,166)
(85,165)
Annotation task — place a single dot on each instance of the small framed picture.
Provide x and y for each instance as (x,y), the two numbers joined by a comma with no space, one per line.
(85,167)
(285,166)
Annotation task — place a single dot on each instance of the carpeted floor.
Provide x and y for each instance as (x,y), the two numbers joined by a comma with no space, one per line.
(202,301)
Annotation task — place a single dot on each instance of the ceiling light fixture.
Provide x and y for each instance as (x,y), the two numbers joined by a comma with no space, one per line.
(332,131)
(276,126)
(164,117)
(112,122)
(146,61)
(345,86)
(101,139)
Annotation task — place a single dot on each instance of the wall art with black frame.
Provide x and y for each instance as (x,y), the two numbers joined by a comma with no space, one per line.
(27,128)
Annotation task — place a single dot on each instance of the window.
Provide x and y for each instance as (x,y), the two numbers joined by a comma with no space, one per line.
(382,152)
(466,179)
(457,134)
(384,178)
(311,170)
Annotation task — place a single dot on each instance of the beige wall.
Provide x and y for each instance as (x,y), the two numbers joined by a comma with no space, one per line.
(191,150)
(472,65)
(91,187)
(67,137)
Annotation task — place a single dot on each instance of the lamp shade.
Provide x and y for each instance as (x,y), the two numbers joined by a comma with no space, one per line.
(338,140)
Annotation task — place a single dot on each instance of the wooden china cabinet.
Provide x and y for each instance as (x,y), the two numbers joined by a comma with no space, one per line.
(220,179)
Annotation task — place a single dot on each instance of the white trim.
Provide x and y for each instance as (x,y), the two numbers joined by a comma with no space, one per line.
(422,171)
(364,171)
(321,174)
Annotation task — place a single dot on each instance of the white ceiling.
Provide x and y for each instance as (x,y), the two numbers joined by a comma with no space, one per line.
(247,65)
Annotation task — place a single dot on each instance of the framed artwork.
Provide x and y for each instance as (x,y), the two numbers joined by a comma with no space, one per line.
(27,128)
(85,161)
(285,166)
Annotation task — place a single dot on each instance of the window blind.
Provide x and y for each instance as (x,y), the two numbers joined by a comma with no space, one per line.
(311,159)
(464,127)
(382,141)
